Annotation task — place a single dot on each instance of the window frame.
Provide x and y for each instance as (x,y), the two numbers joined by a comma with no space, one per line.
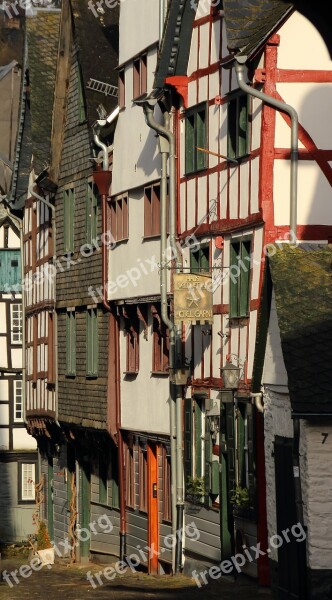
(16,388)
(239,290)
(130,477)
(236,148)
(16,330)
(204,253)
(92,205)
(167,485)
(160,343)
(122,88)
(92,342)
(142,479)
(140,75)
(195,160)
(71,343)
(119,204)
(23,498)
(69,219)
(132,328)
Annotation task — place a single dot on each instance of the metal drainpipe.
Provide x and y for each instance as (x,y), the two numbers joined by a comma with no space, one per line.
(51,207)
(175,390)
(290,110)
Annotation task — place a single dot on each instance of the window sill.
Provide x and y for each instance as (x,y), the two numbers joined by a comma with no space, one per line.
(195,171)
(153,236)
(92,376)
(159,374)
(70,375)
(130,373)
(238,320)
(117,242)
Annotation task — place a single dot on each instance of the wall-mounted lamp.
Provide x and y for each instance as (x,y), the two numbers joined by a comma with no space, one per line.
(230,375)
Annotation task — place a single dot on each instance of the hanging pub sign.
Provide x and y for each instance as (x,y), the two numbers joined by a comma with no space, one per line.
(193,298)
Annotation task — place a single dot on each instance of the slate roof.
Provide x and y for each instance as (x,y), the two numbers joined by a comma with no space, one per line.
(43,39)
(302,280)
(175,46)
(249,23)
(98,43)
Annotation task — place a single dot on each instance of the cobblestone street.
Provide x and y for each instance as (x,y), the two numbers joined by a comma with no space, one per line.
(70,582)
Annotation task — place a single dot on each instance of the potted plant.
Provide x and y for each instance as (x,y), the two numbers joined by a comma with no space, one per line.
(45,550)
(195,489)
(240,500)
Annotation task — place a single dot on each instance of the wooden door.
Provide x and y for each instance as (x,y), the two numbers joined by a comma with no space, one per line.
(153,529)
(85,510)
(291,555)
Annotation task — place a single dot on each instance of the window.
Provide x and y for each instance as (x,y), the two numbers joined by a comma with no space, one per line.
(132,340)
(143,478)
(68,214)
(239,278)
(196,138)
(122,89)
(92,342)
(237,123)
(167,489)
(119,218)
(91,213)
(71,343)
(130,478)
(26,481)
(10,270)
(200,260)
(18,399)
(140,76)
(16,326)
(160,361)
(197,445)
(152,210)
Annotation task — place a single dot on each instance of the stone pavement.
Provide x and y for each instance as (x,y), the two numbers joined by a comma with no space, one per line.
(70,583)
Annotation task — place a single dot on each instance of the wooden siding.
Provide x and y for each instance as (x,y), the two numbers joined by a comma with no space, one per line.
(104,543)
(207,522)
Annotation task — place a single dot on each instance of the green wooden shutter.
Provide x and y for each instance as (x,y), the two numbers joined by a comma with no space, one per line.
(115,481)
(194,261)
(103,476)
(230,441)
(204,259)
(198,438)
(188,416)
(91,342)
(242,125)
(207,461)
(201,159)
(231,128)
(234,280)
(71,342)
(190,143)
(240,445)
(244,279)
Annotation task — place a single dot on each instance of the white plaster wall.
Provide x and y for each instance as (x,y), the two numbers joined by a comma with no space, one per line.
(4,439)
(136,159)
(4,414)
(139,27)
(22,440)
(274,372)
(13,239)
(317,475)
(298,53)
(4,391)
(2,317)
(314,194)
(17,358)
(130,274)
(144,400)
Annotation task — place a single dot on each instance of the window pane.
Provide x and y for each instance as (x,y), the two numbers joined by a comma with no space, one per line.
(200,139)
(190,143)
(28,481)
(18,415)
(234,280)
(231,128)
(244,279)
(242,125)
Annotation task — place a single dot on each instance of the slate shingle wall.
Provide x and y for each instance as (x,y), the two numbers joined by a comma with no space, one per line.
(81,400)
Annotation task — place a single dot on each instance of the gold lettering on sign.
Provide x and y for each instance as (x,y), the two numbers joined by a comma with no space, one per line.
(193,298)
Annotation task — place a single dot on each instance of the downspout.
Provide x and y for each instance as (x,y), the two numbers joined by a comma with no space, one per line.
(176,407)
(162,7)
(51,207)
(290,110)
(258,399)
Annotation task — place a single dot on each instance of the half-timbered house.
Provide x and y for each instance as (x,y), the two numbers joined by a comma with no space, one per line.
(18,455)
